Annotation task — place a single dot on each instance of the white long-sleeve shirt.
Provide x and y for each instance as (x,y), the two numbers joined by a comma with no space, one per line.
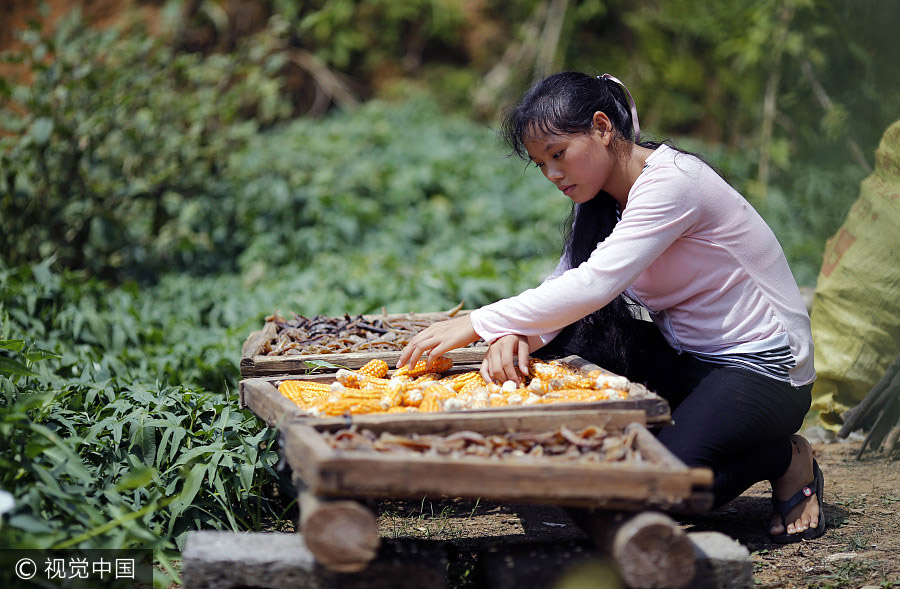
(699,258)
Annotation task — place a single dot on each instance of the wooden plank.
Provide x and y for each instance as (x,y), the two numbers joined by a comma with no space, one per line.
(263,399)
(543,482)
(622,485)
(304,448)
(486,422)
(252,366)
(653,450)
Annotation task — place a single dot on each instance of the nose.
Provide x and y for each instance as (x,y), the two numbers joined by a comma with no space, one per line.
(553,173)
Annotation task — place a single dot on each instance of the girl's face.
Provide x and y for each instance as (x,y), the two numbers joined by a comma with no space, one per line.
(579,164)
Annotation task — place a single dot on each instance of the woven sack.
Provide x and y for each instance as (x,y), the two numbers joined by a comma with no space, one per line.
(856,307)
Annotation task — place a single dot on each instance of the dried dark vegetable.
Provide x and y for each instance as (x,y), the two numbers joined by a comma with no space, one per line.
(591,444)
(338,335)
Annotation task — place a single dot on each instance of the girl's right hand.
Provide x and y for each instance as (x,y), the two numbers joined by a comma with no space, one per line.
(498,365)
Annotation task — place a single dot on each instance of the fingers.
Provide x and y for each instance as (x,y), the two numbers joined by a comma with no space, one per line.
(417,346)
(523,352)
(499,363)
(437,339)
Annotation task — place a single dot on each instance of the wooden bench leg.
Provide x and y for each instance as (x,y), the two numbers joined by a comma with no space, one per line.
(342,534)
(648,547)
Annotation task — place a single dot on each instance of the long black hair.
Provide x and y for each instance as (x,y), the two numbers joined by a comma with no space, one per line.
(565,103)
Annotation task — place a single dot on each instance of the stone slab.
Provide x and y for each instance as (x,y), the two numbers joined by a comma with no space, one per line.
(226,560)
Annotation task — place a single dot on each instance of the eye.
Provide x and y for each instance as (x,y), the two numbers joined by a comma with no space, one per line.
(558,154)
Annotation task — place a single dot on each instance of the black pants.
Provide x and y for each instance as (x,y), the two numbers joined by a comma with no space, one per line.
(733,420)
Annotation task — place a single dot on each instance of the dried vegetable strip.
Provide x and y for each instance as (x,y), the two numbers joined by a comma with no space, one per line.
(590,444)
(338,335)
(422,389)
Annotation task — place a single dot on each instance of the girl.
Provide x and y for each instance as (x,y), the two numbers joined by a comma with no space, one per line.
(729,345)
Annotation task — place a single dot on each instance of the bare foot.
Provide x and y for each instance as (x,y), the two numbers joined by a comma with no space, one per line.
(805,514)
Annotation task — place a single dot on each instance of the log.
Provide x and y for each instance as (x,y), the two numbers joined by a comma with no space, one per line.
(887,419)
(890,441)
(341,534)
(867,410)
(649,548)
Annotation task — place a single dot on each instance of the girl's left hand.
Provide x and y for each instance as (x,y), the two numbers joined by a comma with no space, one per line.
(438,338)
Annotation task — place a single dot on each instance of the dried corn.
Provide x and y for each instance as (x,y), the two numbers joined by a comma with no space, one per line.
(431,403)
(439,364)
(303,393)
(546,371)
(375,368)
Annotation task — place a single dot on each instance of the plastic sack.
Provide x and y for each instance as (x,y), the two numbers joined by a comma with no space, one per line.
(856,307)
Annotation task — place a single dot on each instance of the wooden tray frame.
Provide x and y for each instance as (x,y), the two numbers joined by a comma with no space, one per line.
(254,364)
(661,481)
(261,396)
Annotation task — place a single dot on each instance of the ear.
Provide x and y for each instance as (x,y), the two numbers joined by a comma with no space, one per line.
(601,125)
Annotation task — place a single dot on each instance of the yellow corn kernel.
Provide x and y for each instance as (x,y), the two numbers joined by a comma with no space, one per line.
(352,406)
(427,377)
(301,386)
(376,384)
(439,364)
(375,368)
(497,400)
(546,371)
(574,396)
(438,389)
(471,382)
(431,403)
(302,392)
(458,381)
(571,381)
(392,399)
(358,395)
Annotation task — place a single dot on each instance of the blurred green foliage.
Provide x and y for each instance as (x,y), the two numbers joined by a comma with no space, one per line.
(111,155)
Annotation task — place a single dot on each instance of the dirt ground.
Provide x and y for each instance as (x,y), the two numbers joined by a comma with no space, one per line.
(861,546)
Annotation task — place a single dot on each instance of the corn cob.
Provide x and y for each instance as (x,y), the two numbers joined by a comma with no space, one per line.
(302,392)
(412,397)
(427,377)
(392,398)
(375,368)
(438,389)
(350,405)
(497,400)
(370,383)
(296,386)
(431,403)
(357,380)
(573,396)
(468,383)
(439,364)
(546,371)
(348,378)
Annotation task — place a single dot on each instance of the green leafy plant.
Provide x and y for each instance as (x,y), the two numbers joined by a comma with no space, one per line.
(109,154)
